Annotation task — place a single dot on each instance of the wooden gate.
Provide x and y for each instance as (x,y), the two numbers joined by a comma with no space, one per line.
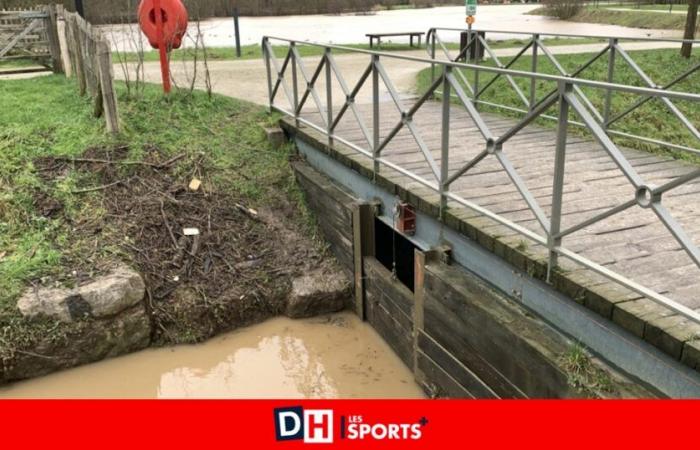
(30,34)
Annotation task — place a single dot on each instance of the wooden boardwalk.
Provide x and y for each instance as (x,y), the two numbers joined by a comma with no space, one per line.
(633,243)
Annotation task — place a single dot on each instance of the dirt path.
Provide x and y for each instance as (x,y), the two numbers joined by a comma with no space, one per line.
(247,79)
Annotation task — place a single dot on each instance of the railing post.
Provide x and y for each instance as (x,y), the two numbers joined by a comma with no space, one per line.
(329,95)
(266,55)
(295,85)
(611,79)
(375,114)
(533,80)
(553,238)
(432,54)
(445,143)
(476,87)
(467,55)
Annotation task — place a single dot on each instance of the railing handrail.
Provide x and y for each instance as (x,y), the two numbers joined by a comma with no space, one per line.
(570,35)
(679,95)
(568,98)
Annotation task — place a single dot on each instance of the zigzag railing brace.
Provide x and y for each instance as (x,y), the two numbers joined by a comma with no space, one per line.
(350,99)
(471,108)
(575,88)
(669,104)
(508,77)
(280,74)
(310,85)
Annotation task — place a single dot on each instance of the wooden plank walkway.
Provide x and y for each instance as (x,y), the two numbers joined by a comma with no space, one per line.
(634,243)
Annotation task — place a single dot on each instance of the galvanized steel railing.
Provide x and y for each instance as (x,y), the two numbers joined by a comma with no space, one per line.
(534,44)
(567,96)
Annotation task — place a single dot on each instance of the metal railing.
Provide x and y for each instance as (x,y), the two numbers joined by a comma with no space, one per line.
(535,47)
(373,143)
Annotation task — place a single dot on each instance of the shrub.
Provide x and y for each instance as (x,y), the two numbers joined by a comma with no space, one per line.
(562,9)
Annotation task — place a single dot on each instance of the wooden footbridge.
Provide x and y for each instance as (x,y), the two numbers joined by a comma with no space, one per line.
(614,228)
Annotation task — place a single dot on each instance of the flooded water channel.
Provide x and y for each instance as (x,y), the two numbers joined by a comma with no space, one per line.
(335,356)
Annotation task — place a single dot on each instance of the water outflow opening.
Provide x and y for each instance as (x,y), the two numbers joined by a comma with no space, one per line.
(394,251)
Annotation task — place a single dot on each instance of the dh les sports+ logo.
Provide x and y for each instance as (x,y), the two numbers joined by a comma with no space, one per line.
(317,426)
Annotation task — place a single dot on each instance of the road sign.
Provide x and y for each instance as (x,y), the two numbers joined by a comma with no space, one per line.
(471,7)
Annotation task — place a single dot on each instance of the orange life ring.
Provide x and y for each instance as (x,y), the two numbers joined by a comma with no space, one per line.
(175,20)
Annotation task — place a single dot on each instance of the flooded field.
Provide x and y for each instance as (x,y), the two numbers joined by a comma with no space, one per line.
(329,357)
(351,28)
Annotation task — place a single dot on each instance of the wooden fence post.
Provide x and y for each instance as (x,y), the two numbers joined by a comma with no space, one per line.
(76,44)
(87,57)
(109,96)
(61,30)
(52,34)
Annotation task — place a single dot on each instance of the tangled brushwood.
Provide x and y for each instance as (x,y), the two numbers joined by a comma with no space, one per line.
(208,259)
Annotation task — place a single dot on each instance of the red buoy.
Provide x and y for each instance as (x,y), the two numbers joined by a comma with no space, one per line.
(174,18)
(164,22)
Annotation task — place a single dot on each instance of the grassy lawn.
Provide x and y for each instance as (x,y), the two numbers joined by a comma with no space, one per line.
(45,118)
(665,8)
(17,64)
(255,51)
(634,19)
(652,120)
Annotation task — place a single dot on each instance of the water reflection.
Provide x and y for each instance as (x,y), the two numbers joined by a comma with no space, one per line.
(335,356)
(280,366)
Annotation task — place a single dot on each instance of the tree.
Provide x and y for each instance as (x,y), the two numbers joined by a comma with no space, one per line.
(690,24)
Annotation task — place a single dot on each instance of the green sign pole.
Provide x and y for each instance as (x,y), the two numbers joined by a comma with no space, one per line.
(471,7)
(471,12)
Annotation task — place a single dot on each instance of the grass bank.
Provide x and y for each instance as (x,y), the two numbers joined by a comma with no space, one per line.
(17,64)
(652,120)
(634,19)
(63,217)
(255,51)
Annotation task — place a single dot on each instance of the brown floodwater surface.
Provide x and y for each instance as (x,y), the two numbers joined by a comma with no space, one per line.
(334,356)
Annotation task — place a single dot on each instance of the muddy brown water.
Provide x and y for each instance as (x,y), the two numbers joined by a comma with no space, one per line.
(351,28)
(334,356)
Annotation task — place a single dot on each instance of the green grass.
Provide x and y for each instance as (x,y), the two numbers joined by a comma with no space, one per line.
(652,120)
(45,116)
(583,375)
(255,51)
(676,7)
(17,64)
(634,19)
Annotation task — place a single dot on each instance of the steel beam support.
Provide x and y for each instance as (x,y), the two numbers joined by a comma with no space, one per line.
(554,239)
(295,81)
(268,70)
(375,115)
(533,67)
(445,141)
(329,96)
(611,78)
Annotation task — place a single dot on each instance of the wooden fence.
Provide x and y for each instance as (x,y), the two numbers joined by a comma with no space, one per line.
(89,55)
(31,34)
